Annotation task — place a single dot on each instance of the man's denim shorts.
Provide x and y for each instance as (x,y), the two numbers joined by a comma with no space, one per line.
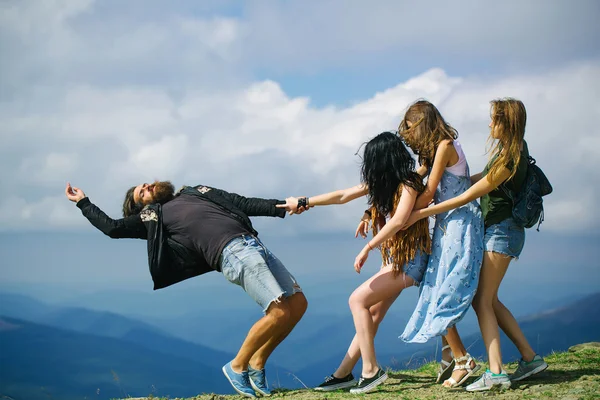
(505,238)
(246,262)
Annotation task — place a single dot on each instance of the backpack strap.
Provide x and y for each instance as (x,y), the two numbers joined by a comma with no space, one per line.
(511,193)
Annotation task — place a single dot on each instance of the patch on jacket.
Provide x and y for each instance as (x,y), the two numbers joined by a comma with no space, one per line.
(203,189)
(148,215)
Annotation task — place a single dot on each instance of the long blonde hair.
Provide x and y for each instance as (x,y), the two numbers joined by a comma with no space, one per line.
(405,244)
(427,131)
(508,121)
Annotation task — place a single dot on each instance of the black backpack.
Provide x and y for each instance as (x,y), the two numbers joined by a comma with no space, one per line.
(528,208)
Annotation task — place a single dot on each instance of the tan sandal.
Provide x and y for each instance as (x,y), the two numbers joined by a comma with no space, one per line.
(466,366)
(446,367)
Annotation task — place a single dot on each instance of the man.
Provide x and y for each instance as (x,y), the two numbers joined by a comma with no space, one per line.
(201,229)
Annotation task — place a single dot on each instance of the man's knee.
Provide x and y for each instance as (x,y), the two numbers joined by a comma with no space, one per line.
(297,304)
(280,310)
(300,304)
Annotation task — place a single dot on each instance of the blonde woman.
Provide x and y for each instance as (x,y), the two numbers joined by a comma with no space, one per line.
(503,240)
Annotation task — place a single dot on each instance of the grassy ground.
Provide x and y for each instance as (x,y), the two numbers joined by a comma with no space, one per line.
(571,375)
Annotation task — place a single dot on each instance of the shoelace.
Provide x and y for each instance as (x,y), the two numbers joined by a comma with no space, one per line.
(482,381)
(328,378)
(245,379)
(487,377)
(361,380)
(520,369)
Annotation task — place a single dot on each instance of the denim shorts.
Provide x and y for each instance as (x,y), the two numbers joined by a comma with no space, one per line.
(505,238)
(246,262)
(416,267)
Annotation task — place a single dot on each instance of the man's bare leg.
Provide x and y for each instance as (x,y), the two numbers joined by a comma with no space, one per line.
(271,325)
(297,304)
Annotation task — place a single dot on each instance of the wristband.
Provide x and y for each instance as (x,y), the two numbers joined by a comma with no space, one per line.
(368,212)
(302,202)
(369,246)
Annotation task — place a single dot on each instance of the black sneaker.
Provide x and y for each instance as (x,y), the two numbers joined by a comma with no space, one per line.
(333,383)
(366,385)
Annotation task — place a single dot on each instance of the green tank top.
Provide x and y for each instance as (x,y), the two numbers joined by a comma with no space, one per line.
(496,206)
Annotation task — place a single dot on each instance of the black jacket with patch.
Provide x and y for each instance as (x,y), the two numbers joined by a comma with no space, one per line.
(169,261)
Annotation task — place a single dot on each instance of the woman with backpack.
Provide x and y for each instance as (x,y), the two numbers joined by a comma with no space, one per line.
(504,239)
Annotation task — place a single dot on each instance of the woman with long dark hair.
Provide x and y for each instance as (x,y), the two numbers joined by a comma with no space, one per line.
(391,185)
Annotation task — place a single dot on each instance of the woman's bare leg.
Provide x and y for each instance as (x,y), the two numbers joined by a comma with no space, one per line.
(352,356)
(492,272)
(381,286)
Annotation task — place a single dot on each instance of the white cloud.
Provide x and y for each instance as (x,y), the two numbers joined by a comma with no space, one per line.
(260,141)
(61,43)
(163,157)
(107,97)
(403,32)
(48,168)
(217,33)
(191,44)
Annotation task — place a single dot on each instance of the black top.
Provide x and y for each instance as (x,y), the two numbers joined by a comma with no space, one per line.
(496,206)
(201,225)
(171,261)
(131,227)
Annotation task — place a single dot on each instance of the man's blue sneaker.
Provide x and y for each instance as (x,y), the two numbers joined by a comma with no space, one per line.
(240,382)
(258,380)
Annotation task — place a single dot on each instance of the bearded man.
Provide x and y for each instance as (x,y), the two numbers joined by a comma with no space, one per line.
(202,229)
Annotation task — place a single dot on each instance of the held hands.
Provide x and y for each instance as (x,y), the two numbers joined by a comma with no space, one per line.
(292,207)
(74,194)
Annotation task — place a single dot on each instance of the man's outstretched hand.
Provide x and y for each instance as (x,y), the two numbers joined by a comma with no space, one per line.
(74,194)
(291,206)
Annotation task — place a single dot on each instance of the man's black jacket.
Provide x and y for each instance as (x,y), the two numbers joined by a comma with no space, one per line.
(169,261)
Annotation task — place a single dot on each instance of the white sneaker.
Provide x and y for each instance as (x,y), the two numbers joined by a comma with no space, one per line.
(490,381)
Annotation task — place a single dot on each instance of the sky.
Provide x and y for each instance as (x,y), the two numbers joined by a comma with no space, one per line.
(274,99)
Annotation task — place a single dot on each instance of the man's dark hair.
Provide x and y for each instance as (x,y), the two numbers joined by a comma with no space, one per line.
(130,207)
(163,192)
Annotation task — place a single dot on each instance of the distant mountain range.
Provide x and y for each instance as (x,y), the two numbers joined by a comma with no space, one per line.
(70,353)
(41,362)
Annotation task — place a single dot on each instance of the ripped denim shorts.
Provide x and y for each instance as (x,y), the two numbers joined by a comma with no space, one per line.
(246,262)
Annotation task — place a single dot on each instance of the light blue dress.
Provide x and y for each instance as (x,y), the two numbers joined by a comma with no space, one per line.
(452,274)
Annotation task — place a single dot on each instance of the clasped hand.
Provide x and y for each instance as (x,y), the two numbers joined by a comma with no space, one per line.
(291,206)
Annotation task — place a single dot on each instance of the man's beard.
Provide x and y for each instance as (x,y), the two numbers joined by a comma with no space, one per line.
(163,191)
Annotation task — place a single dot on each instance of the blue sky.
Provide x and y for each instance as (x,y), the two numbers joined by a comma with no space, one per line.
(273,99)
